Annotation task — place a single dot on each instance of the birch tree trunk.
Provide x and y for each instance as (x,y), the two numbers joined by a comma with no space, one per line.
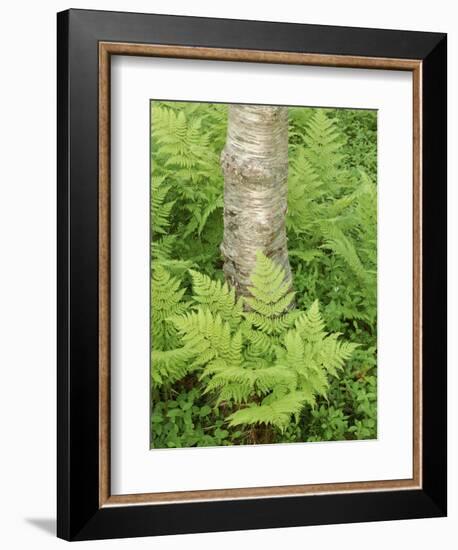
(255,167)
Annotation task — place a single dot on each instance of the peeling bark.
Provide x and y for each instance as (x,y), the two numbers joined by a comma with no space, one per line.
(255,166)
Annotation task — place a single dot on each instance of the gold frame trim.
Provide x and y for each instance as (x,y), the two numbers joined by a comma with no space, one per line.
(106,50)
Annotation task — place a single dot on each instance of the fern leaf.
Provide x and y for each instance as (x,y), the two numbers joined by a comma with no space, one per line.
(310,324)
(324,143)
(217,297)
(209,336)
(169,366)
(270,297)
(160,208)
(277,413)
(342,245)
(166,300)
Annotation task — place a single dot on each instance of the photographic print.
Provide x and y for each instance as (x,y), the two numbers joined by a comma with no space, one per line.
(251,273)
(263,274)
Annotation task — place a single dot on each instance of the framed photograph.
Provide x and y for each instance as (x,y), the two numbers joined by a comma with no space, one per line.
(251,274)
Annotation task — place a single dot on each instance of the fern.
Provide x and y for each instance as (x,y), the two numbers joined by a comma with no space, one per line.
(209,338)
(278,413)
(180,139)
(270,297)
(324,144)
(182,151)
(272,359)
(305,189)
(217,297)
(332,242)
(343,246)
(168,366)
(166,300)
(310,324)
(160,208)
(268,361)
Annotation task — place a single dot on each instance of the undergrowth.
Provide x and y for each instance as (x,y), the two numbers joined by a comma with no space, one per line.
(225,372)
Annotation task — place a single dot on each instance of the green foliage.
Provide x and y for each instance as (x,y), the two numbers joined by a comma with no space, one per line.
(166,300)
(360,130)
(270,298)
(187,182)
(259,382)
(185,421)
(281,365)
(323,147)
(167,366)
(332,224)
(217,297)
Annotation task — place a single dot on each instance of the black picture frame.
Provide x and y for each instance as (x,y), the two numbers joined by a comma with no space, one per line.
(80,516)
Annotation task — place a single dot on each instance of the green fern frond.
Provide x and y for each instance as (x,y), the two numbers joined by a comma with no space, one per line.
(253,380)
(229,392)
(166,300)
(260,343)
(313,354)
(323,145)
(169,366)
(304,193)
(270,297)
(310,324)
(180,139)
(161,249)
(341,245)
(209,336)
(333,353)
(277,413)
(271,326)
(268,284)
(160,208)
(217,297)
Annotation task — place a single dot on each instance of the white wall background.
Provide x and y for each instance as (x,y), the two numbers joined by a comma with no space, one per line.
(27,271)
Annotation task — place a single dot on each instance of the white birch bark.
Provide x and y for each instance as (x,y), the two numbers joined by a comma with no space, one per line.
(255,167)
